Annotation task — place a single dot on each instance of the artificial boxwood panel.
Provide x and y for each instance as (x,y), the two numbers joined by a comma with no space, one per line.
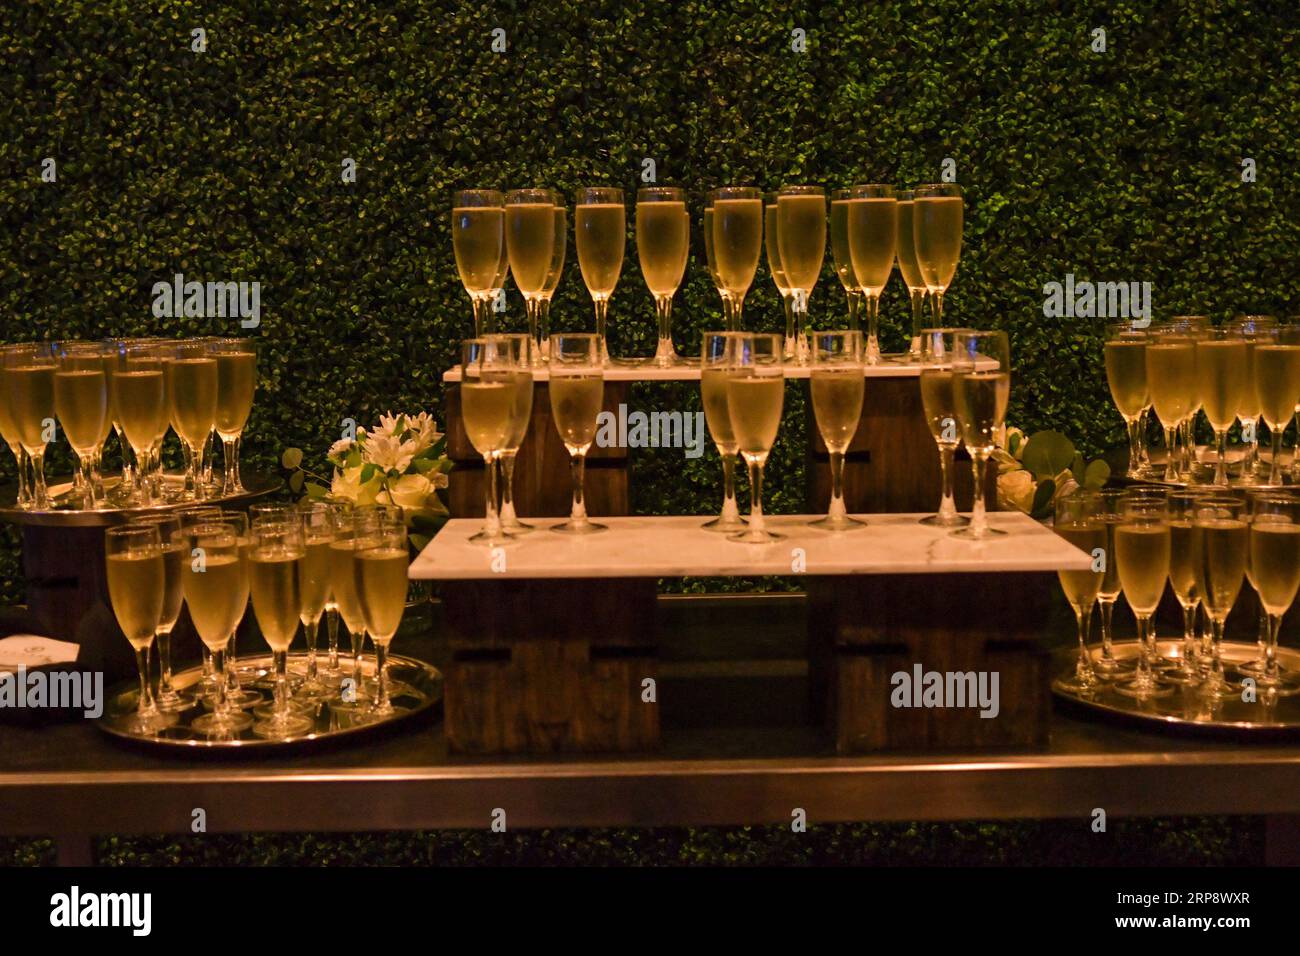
(225,165)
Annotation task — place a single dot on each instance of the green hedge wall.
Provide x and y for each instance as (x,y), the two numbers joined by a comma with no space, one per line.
(1123,165)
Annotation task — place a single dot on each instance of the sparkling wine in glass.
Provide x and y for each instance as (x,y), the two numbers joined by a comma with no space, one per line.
(940,407)
(560,220)
(276,553)
(81,402)
(600,228)
(236,383)
(873,234)
(343,586)
(577,392)
(663,230)
(174,556)
(1126,374)
(314,589)
(1108,592)
(1078,521)
(1275,368)
(772,245)
(28,381)
(193,378)
(755,396)
(1220,536)
(737,239)
(841,255)
(1142,552)
(9,432)
(488,393)
(520,355)
(478,238)
(1252,329)
(909,268)
(1275,560)
(801,217)
(837,387)
(215,585)
(715,362)
(981,386)
(1221,370)
(1172,382)
(1182,577)
(381,556)
(138,397)
(937,214)
(135,572)
(530,246)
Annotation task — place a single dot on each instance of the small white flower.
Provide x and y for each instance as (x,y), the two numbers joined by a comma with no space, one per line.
(339,451)
(388,453)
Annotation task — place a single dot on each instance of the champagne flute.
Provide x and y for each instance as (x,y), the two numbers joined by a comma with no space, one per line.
(487,397)
(193,372)
(710,259)
(1197,327)
(332,670)
(737,238)
(1126,374)
(981,385)
(236,383)
(192,516)
(841,255)
(577,390)
(1275,560)
(909,268)
(1252,328)
(873,229)
(81,402)
(381,556)
(939,405)
(215,585)
(936,230)
(560,219)
(1142,551)
(1079,521)
(343,586)
(1276,372)
(600,230)
(663,231)
(837,387)
(1221,540)
(530,246)
(241,521)
(1182,577)
(29,387)
(1221,371)
(1171,379)
(715,362)
(138,391)
(755,394)
(801,219)
(174,555)
(9,432)
(134,559)
(276,553)
(478,238)
(314,588)
(1108,592)
(519,349)
(1253,497)
(772,243)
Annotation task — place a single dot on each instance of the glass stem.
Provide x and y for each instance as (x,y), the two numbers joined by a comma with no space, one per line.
(145,707)
(508,486)
(978,520)
(1275,466)
(948,502)
(230,484)
(281,710)
(730,510)
(918,318)
(532,307)
(163,641)
(1271,673)
(577,474)
(1216,662)
(1171,450)
(1189,636)
(332,632)
(310,630)
(491,519)
(936,306)
(1107,610)
(40,496)
(544,327)
(790,348)
(872,306)
(737,312)
(799,306)
(665,355)
(358,640)
(601,303)
(1083,624)
(1220,456)
(1143,677)
(477,304)
(21,460)
(837,508)
(381,676)
(755,494)
(1135,446)
(855,307)
(86,461)
(220,704)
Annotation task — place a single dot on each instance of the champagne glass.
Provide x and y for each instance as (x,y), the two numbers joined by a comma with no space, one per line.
(841,255)
(737,239)
(801,220)
(715,362)
(577,390)
(772,243)
(1079,521)
(1142,548)
(138,395)
(600,230)
(314,589)
(663,231)
(135,587)
(1252,328)
(1276,371)
(343,586)
(710,258)
(174,555)
(81,402)
(981,385)
(381,557)
(1221,371)
(487,397)
(1220,538)
(1126,374)
(332,670)
(193,373)
(939,405)
(1253,496)
(215,585)
(29,388)
(755,394)
(478,238)
(276,553)
(519,350)
(1171,379)
(909,268)
(1275,560)
(1108,592)
(936,231)
(873,228)
(235,693)
(837,387)
(560,219)
(236,383)
(192,516)
(9,432)
(530,246)
(1182,577)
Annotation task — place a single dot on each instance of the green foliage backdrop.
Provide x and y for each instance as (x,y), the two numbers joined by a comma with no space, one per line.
(225,164)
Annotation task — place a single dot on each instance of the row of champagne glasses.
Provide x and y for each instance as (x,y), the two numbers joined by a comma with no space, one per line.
(523,233)
(294,562)
(1204,544)
(1247,370)
(138,388)
(965,382)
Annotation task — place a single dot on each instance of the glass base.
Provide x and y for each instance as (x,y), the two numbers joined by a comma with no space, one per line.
(277,728)
(517,527)
(579,527)
(756,536)
(1282,688)
(226,725)
(301,708)
(493,539)
(975,534)
(945,521)
(1220,689)
(726,525)
(1077,685)
(172,703)
(1111,667)
(1144,690)
(837,523)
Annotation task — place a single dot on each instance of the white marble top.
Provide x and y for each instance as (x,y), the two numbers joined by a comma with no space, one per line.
(676,546)
(617,372)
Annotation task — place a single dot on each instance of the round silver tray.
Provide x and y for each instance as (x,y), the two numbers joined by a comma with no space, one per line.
(417,687)
(1185,709)
(63,516)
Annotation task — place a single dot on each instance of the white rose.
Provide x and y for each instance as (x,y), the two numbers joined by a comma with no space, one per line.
(347,484)
(1016,489)
(410,492)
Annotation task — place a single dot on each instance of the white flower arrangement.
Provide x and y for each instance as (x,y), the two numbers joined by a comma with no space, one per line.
(1033,472)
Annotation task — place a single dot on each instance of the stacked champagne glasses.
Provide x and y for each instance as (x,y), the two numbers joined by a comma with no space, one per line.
(837,386)
(755,396)
(715,367)
(138,396)
(1221,371)
(981,386)
(600,229)
(81,403)
(939,404)
(801,220)
(174,555)
(236,383)
(872,223)
(663,230)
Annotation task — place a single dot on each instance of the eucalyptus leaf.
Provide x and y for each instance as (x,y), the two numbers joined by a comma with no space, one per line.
(1047,454)
(367,472)
(1096,475)
(296,480)
(1042,506)
(315,490)
(291,458)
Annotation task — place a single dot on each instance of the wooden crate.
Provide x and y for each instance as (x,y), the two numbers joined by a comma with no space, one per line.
(864,631)
(552,666)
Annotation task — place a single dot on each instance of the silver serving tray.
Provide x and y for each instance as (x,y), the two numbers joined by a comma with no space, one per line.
(417,686)
(1185,709)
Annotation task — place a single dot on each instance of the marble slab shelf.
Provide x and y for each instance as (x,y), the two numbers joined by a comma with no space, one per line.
(676,546)
(616,372)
